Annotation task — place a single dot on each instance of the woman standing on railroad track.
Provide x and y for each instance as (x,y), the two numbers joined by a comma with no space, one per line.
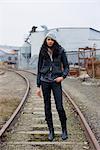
(49,76)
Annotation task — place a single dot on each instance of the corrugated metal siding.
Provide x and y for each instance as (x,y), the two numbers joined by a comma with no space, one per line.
(70,38)
(36,42)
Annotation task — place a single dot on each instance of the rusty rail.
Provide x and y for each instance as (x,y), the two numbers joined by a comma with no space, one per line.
(89,133)
(7,124)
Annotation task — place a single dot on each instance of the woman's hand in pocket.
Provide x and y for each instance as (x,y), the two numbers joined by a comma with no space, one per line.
(59,79)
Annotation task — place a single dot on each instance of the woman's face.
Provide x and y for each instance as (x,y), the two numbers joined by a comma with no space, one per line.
(49,41)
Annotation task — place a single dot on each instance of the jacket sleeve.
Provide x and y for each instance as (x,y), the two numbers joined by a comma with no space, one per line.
(65,64)
(40,60)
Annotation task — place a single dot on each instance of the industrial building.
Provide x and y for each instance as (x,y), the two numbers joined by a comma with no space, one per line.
(70,38)
(9,55)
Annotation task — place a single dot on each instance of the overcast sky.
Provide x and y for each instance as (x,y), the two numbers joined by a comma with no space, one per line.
(18,16)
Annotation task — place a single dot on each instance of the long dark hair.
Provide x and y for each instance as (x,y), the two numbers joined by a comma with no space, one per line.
(55,48)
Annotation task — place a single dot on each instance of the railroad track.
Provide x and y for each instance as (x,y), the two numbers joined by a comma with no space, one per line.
(12,89)
(30,130)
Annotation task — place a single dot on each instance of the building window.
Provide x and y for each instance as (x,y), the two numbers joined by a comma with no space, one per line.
(16,58)
(9,58)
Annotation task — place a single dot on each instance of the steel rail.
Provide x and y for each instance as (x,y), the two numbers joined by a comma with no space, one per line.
(7,124)
(89,134)
(87,128)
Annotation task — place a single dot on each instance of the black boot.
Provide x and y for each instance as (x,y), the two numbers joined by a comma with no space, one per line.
(64,134)
(51,135)
(63,120)
(51,129)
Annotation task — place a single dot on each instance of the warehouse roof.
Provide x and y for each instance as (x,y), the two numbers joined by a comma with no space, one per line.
(4,51)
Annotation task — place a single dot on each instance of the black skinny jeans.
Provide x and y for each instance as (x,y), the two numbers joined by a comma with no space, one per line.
(57,93)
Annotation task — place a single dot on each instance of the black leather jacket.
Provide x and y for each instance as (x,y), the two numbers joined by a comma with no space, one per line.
(58,67)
